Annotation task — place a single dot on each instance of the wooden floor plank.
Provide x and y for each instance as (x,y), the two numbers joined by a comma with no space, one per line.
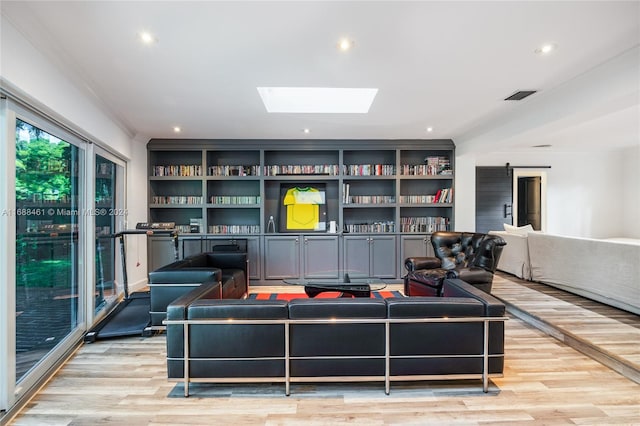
(123,381)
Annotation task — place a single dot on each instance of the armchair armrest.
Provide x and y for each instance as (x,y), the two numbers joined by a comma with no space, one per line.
(472,275)
(417,263)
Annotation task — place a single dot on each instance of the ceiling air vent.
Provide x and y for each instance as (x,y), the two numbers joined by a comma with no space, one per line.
(518,96)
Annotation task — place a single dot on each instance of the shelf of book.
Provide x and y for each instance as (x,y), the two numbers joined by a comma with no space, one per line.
(235,187)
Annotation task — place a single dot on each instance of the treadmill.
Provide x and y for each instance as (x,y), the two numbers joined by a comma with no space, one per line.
(130,316)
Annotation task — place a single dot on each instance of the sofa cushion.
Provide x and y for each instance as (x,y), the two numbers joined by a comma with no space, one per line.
(238,309)
(434,307)
(325,341)
(337,308)
(226,260)
(518,230)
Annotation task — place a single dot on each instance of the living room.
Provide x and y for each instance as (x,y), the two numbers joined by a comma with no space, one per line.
(442,73)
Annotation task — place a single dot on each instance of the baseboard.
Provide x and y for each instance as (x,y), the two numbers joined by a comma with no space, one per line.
(140,285)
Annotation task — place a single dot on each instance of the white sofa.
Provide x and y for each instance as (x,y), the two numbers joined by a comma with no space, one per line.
(515,255)
(606,270)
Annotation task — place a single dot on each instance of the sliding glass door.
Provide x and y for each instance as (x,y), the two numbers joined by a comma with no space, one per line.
(110,218)
(48,214)
(62,202)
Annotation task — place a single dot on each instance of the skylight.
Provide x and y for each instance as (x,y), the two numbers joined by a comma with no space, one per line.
(322,100)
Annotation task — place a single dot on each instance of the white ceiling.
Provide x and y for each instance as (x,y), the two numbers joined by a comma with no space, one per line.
(443,64)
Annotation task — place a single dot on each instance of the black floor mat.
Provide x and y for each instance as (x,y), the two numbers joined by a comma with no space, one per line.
(129,320)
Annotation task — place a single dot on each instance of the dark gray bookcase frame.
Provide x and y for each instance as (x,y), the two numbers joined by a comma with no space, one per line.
(379,183)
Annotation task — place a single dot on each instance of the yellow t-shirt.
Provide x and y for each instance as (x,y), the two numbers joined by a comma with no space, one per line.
(303,211)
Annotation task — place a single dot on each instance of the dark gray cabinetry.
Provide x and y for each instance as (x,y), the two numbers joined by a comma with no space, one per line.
(255,258)
(253,250)
(320,256)
(370,255)
(282,257)
(160,252)
(301,256)
(190,246)
(385,195)
(414,246)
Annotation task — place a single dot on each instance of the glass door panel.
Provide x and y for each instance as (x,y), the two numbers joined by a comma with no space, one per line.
(48,212)
(105,262)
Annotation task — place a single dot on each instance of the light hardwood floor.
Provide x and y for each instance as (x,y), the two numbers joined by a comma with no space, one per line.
(607,334)
(123,381)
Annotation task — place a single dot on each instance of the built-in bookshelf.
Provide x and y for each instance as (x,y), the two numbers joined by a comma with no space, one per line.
(421,224)
(383,196)
(369,169)
(231,170)
(234,187)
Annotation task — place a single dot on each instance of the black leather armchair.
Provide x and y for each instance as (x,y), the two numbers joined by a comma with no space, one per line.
(471,257)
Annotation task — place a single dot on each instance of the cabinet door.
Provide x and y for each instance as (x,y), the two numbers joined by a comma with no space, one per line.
(161,251)
(416,246)
(190,246)
(281,257)
(253,253)
(412,246)
(383,256)
(356,255)
(210,242)
(320,256)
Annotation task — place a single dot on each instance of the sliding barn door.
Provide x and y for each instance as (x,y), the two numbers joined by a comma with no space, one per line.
(494,198)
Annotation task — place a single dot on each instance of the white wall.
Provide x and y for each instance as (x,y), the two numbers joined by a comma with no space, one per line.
(137,209)
(29,73)
(23,67)
(631,192)
(585,191)
(465,193)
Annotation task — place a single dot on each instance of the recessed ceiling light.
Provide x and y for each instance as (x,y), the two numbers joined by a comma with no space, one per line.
(429,129)
(345,44)
(177,129)
(147,38)
(322,100)
(306,131)
(547,48)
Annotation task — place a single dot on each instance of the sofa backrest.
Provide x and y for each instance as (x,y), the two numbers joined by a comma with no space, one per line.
(339,339)
(190,261)
(227,260)
(185,275)
(248,309)
(434,307)
(337,308)
(237,340)
(465,249)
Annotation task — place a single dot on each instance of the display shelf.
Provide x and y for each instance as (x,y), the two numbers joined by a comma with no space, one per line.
(241,192)
(175,192)
(373,187)
(301,163)
(175,164)
(378,192)
(233,220)
(425,163)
